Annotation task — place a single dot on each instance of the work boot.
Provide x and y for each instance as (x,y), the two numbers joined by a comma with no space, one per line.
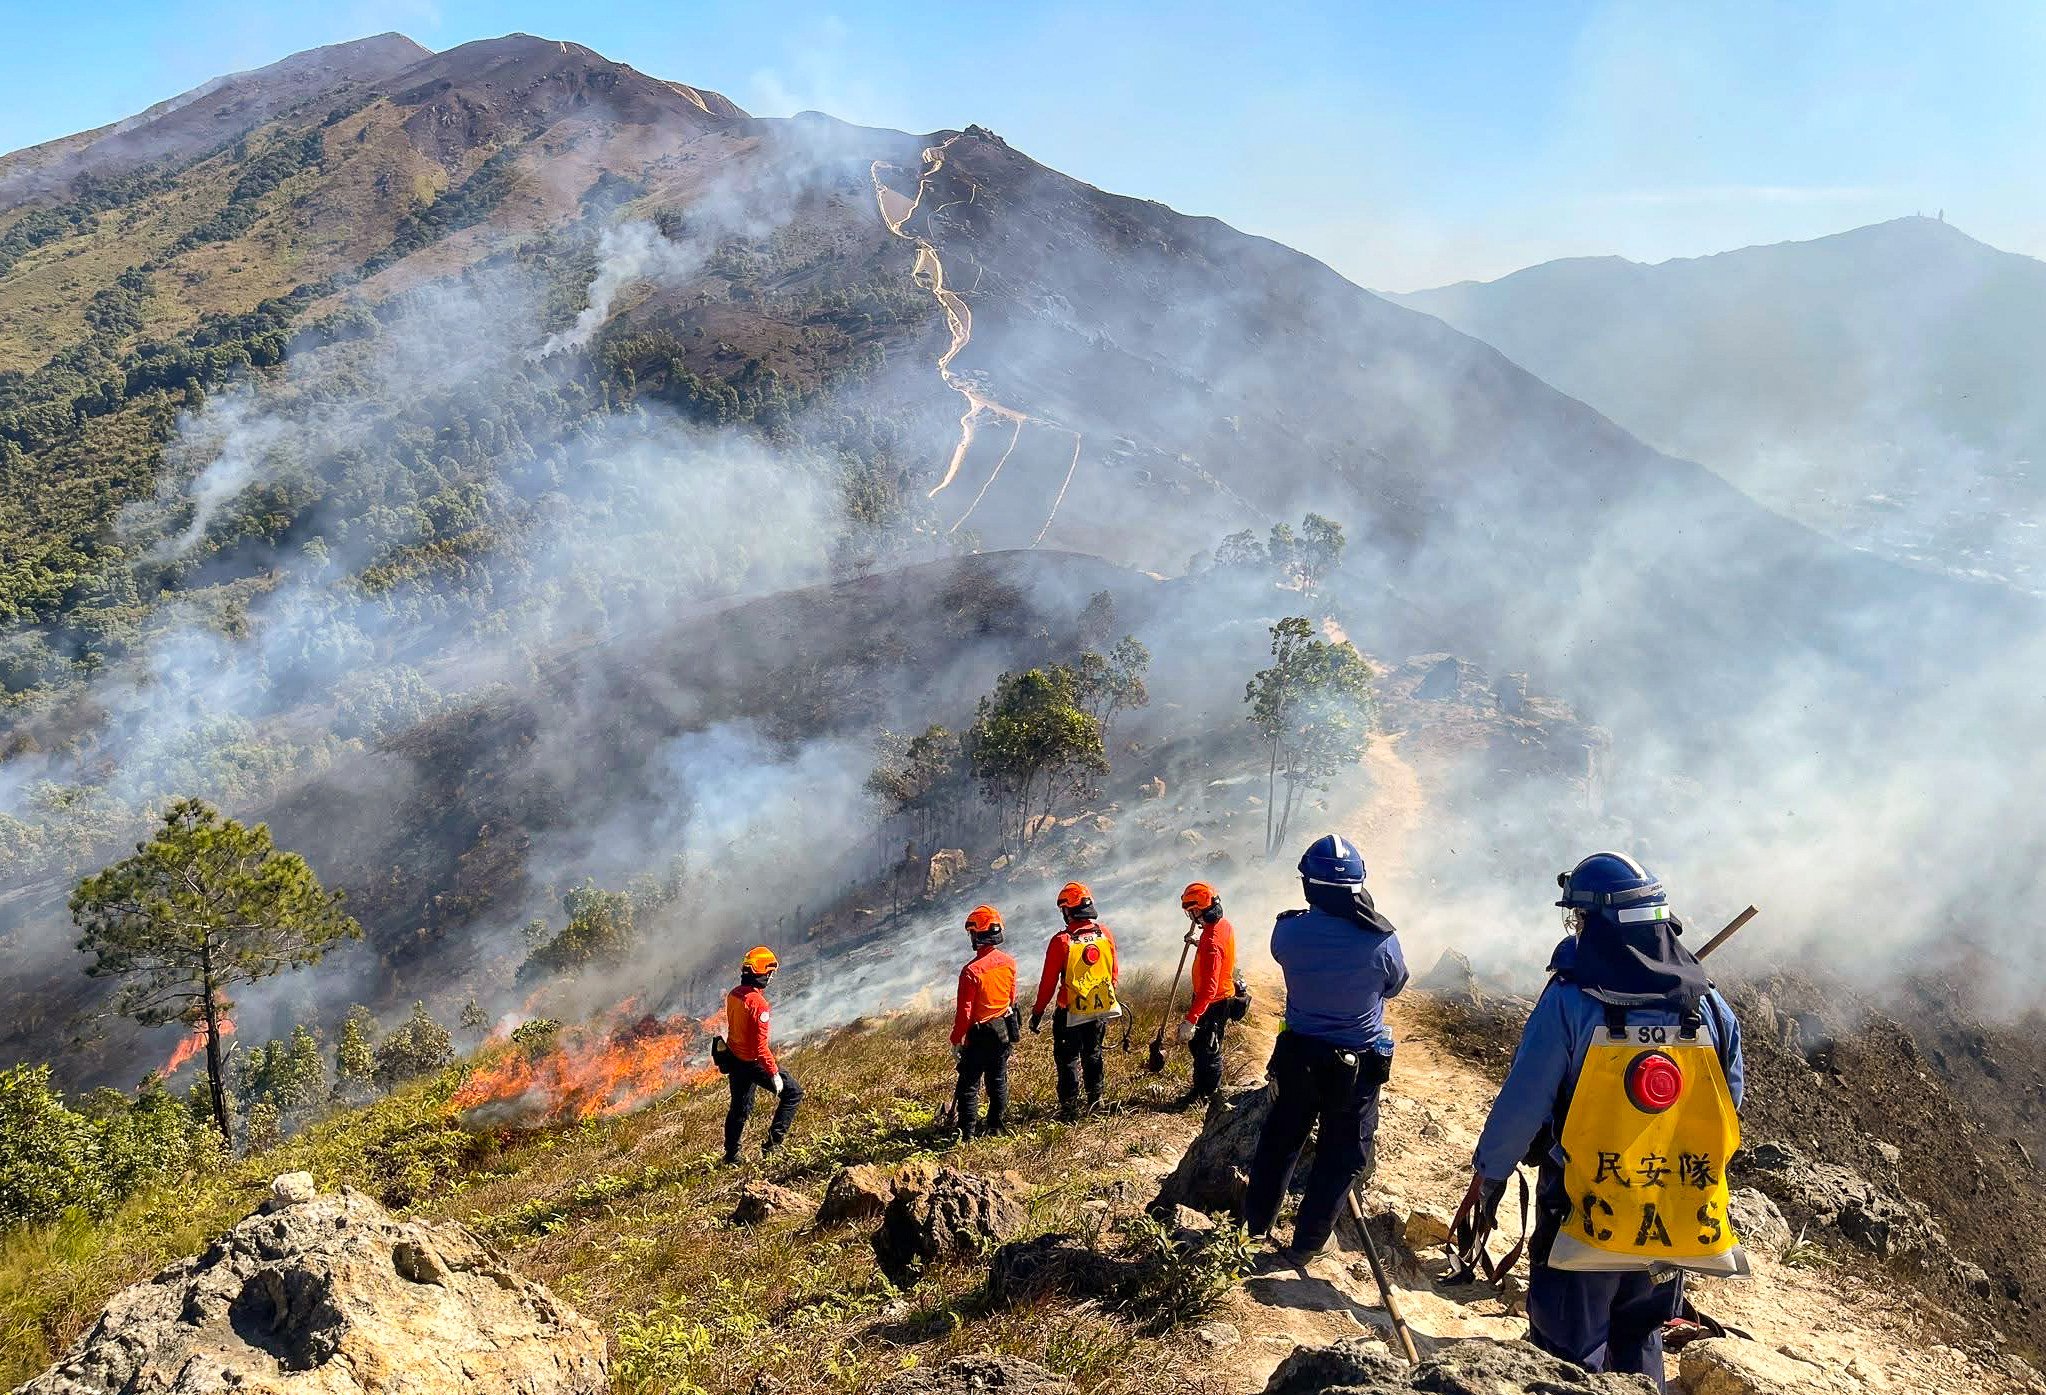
(731,1160)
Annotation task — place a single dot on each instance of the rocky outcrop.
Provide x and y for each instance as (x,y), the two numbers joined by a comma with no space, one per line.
(1756,1221)
(946,867)
(1874,1217)
(1044,1266)
(953,1213)
(981,1375)
(332,1294)
(1731,1366)
(762,1201)
(857,1195)
(1211,1174)
(1362,1366)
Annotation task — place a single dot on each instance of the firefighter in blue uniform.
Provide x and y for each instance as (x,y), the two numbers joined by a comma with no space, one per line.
(1341,960)
(1622,983)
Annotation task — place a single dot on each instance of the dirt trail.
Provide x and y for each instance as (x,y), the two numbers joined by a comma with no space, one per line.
(897,210)
(1861,1332)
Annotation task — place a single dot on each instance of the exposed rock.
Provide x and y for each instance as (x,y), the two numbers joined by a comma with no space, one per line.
(973,1375)
(946,865)
(952,1213)
(758,1201)
(1187,1221)
(1153,788)
(289,1189)
(1024,1271)
(1452,979)
(1511,691)
(1757,1221)
(1217,1334)
(1732,1366)
(1879,1220)
(1363,1366)
(1191,838)
(1211,1173)
(1425,1228)
(1447,678)
(858,1194)
(331,1294)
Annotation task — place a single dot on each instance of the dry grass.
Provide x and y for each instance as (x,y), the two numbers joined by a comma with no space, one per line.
(626,1217)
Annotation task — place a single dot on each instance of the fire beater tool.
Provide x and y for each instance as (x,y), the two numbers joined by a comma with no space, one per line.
(1155,1062)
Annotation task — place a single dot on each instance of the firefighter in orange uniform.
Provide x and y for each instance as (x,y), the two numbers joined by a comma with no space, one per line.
(1216,991)
(986,1026)
(753,1066)
(1080,968)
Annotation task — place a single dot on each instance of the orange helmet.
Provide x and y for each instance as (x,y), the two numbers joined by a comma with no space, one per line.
(759,962)
(984,926)
(1076,901)
(1197,898)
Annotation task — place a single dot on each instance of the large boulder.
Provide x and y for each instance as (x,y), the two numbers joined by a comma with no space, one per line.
(331,1294)
(951,1213)
(1731,1366)
(986,1374)
(856,1195)
(1362,1366)
(1212,1172)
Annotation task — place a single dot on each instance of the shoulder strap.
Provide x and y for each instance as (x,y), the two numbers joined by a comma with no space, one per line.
(1616,1019)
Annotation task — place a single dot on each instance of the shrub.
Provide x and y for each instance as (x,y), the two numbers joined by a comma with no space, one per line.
(418,1048)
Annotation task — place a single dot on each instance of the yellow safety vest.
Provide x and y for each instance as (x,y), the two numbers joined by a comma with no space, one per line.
(1646,1141)
(1090,979)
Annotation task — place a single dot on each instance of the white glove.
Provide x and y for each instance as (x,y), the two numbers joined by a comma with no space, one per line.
(777,1082)
(1186,1032)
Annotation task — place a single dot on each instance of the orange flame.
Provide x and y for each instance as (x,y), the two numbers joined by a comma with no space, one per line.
(192,1045)
(587,1073)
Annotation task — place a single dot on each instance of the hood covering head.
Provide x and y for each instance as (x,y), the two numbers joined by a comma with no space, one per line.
(1351,903)
(1641,965)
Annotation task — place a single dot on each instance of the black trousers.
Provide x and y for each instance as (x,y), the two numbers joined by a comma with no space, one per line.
(983,1059)
(745,1079)
(1076,1052)
(1206,1048)
(1312,1084)
(1602,1322)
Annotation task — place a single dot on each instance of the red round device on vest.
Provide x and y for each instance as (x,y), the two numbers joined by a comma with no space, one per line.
(1654,1082)
(1092,954)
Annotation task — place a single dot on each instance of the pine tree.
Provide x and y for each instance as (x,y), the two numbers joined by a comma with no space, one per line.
(354,1056)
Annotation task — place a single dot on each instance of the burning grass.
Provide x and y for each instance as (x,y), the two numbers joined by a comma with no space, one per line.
(585,1073)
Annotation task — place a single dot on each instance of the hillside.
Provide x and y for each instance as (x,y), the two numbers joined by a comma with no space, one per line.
(516,468)
(631,1219)
(1876,383)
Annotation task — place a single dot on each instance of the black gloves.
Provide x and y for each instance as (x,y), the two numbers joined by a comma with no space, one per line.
(1036,1022)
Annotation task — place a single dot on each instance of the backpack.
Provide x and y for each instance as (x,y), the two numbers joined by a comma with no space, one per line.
(1090,979)
(1646,1140)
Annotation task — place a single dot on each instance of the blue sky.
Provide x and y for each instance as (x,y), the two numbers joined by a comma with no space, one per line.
(1404,143)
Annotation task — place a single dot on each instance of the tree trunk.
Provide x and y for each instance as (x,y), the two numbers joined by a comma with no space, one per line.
(1271,794)
(214,1082)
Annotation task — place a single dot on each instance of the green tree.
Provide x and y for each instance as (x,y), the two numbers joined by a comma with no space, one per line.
(919,779)
(355,1055)
(54,1158)
(1320,550)
(600,930)
(474,1018)
(290,1077)
(418,1047)
(1282,549)
(264,1129)
(1033,744)
(208,903)
(1113,683)
(1313,706)
(1240,549)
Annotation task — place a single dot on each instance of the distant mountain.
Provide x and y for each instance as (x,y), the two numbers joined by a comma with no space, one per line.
(1881,384)
(188,125)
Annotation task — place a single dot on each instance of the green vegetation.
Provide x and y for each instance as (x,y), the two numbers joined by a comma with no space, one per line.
(1033,745)
(600,931)
(1313,707)
(56,1159)
(420,1046)
(1300,560)
(207,904)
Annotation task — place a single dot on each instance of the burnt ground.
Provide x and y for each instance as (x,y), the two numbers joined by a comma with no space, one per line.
(1922,1100)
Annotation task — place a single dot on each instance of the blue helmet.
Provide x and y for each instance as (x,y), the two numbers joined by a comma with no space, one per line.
(1332,861)
(1615,885)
